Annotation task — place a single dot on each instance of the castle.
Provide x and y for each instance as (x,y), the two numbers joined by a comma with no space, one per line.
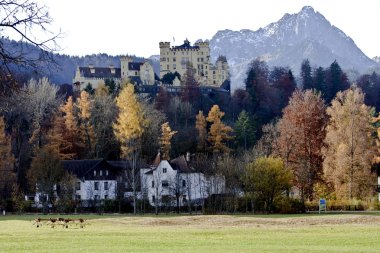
(140,73)
(172,59)
(179,58)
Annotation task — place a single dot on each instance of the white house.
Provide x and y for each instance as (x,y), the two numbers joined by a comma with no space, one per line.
(175,182)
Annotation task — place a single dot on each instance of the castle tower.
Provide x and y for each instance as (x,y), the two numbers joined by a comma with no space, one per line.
(124,61)
(164,58)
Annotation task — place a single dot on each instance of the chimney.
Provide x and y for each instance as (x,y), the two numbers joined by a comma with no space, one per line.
(188,157)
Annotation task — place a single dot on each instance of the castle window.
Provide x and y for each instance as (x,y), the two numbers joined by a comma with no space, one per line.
(165,183)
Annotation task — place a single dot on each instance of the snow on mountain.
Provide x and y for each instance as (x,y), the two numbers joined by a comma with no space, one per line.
(287,42)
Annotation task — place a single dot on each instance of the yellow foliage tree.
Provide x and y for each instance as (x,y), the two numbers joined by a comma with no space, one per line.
(165,140)
(7,176)
(349,143)
(200,125)
(70,120)
(85,127)
(219,132)
(128,130)
(57,141)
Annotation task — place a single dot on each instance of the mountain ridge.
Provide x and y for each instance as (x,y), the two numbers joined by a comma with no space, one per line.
(287,42)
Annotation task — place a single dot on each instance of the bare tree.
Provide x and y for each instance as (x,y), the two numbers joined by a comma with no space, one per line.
(30,22)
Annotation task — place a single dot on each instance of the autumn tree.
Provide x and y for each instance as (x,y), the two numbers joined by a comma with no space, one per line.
(300,140)
(71,133)
(165,140)
(86,130)
(266,181)
(201,126)
(219,133)
(56,139)
(7,160)
(128,129)
(45,173)
(349,145)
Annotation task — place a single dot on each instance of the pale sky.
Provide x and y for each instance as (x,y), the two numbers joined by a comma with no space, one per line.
(136,27)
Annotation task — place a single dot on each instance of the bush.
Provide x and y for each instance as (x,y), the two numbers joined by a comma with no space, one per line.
(339,205)
(289,205)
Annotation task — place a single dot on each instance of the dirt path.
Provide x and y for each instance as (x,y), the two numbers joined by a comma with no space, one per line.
(238,221)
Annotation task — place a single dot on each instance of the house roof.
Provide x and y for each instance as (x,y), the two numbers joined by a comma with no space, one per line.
(81,168)
(181,165)
(100,72)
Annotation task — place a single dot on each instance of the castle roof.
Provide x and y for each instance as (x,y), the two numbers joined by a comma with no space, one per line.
(100,72)
(185,45)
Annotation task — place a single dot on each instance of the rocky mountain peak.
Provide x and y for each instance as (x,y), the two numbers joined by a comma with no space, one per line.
(287,42)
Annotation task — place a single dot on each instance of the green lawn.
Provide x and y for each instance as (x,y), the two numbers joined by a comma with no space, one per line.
(326,233)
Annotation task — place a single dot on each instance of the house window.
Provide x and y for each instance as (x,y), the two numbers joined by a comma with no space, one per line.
(165,183)
(77,197)
(174,66)
(164,170)
(96,197)
(105,196)
(96,186)
(77,186)
(106,172)
(106,186)
(183,183)
(174,59)
(94,173)
(153,199)
(135,73)
(167,67)
(184,199)
(152,184)
(101,173)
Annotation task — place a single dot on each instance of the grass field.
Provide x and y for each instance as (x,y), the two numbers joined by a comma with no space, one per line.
(223,233)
